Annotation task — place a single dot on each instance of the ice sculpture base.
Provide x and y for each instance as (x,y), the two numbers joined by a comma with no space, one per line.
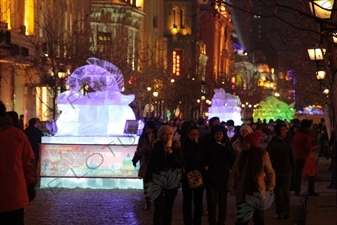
(235,116)
(89,162)
(91,183)
(126,139)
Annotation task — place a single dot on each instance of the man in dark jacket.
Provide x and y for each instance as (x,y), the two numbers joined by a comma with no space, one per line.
(218,159)
(283,161)
(231,132)
(34,135)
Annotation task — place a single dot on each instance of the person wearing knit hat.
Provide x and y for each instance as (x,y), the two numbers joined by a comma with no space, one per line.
(253,138)
(245,129)
(166,158)
(239,143)
(218,160)
(253,175)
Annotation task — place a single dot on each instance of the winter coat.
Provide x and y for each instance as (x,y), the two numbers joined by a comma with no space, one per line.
(34,136)
(160,161)
(302,144)
(192,152)
(281,156)
(16,168)
(238,145)
(144,148)
(237,180)
(219,159)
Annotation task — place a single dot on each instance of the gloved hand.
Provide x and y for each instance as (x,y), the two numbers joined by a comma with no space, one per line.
(31,191)
(134,162)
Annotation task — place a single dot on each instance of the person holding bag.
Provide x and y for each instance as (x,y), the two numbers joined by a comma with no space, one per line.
(163,173)
(192,150)
(302,147)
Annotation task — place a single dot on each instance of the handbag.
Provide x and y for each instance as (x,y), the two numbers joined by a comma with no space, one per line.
(194,179)
(310,168)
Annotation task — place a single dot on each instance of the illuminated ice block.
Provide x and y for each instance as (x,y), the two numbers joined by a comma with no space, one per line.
(225,106)
(102,111)
(273,108)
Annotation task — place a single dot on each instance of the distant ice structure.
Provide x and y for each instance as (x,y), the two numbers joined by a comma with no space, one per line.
(225,106)
(273,108)
(99,113)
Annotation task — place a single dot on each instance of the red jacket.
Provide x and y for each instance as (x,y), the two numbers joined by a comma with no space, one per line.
(16,168)
(302,144)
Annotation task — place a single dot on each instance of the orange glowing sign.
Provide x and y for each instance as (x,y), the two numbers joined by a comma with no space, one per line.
(176,62)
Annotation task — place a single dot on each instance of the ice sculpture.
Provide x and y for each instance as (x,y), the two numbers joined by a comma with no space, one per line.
(225,106)
(99,113)
(273,108)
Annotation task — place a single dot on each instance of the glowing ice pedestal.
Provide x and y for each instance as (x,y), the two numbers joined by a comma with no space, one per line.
(89,162)
(225,106)
(88,148)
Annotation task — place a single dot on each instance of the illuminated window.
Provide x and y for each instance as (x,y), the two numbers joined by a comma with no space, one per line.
(177,62)
(174,12)
(182,19)
(5,12)
(103,37)
(29,16)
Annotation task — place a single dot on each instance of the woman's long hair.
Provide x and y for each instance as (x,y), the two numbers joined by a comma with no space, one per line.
(253,159)
(149,124)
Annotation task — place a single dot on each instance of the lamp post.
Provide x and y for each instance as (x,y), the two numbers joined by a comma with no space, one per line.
(62,76)
(155,95)
(323,11)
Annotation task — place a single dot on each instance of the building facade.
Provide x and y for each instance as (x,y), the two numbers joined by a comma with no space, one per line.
(49,38)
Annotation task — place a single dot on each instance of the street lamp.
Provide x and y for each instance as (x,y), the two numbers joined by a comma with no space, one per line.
(316,53)
(334,37)
(62,76)
(322,9)
(326,91)
(320,75)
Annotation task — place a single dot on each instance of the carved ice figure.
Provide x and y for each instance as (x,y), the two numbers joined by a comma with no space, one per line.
(225,106)
(100,113)
(273,108)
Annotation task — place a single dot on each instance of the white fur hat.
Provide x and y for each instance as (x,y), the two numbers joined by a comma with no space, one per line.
(247,128)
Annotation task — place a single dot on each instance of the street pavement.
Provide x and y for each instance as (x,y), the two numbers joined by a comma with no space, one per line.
(322,210)
(115,207)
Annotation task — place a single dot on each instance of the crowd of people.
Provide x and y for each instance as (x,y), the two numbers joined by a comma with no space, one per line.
(19,154)
(267,159)
(237,160)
